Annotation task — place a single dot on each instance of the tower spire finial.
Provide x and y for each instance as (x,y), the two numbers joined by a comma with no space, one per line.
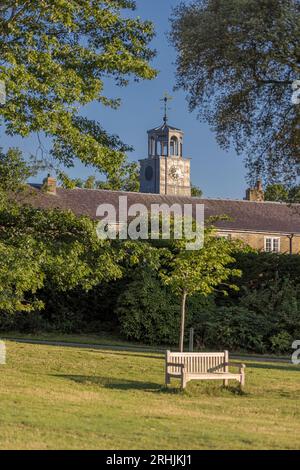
(165,99)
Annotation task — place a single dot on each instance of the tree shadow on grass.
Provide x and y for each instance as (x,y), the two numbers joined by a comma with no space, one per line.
(214,388)
(152,387)
(235,391)
(117,384)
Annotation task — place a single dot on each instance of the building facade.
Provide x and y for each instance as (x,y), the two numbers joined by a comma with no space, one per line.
(265,226)
(165,180)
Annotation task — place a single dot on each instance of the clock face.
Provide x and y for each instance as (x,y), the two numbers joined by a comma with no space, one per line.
(175,173)
(149,173)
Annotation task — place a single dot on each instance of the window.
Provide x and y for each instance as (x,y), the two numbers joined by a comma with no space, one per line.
(174,147)
(272,245)
(152,146)
(163,148)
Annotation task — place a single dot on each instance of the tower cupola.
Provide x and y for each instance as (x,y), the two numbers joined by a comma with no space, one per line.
(165,171)
(165,141)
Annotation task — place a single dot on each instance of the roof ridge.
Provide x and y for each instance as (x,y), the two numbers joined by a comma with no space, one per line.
(180,196)
(203,199)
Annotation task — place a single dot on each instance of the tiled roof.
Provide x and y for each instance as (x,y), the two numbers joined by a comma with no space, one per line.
(244,215)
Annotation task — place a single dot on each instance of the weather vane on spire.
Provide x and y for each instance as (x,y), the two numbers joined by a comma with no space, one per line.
(165,99)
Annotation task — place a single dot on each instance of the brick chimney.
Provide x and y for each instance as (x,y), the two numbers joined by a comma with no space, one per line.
(256,194)
(49,185)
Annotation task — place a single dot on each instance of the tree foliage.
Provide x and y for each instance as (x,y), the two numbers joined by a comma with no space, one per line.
(277,193)
(146,310)
(55,56)
(204,270)
(281,193)
(14,171)
(125,178)
(196,192)
(50,246)
(237,60)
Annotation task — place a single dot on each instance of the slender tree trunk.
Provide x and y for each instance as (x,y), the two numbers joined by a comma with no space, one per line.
(183,303)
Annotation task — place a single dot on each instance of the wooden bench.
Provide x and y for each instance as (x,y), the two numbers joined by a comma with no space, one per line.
(202,366)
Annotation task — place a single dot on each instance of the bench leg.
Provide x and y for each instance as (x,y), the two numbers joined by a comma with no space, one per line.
(168,380)
(225,383)
(183,380)
(242,381)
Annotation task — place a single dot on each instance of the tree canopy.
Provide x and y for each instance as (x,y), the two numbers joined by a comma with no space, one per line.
(55,56)
(40,247)
(281,193)
(238,60)
(196,192)
(205,270)
(126,178)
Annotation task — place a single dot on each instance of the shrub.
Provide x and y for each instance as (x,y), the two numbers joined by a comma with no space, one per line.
(260,320)
(147,312)
(281,343)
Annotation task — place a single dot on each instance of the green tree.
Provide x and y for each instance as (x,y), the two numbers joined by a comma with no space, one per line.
(125,178)
(196,192)
(282,193)
(294,194)
(237,60)
(72,183)
(20,275)
(38,246)
(187,272)
(54,58)
(14,171)
(45,246)
(42,248)
(277,193)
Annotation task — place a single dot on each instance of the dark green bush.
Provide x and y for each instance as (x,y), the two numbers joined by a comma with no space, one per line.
(263,319)
(147,311)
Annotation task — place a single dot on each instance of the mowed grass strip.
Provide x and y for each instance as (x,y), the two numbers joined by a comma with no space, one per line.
(54,397)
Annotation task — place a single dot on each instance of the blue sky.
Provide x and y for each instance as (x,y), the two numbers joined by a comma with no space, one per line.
(219,174)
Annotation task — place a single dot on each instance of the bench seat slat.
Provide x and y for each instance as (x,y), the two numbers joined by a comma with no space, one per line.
(214,376)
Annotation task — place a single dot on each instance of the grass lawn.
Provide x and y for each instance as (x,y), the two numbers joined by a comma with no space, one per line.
(53,397)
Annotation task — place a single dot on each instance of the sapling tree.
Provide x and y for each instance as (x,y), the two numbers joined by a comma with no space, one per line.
(205,270)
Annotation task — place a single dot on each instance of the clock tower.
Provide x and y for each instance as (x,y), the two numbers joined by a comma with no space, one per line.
(165,171)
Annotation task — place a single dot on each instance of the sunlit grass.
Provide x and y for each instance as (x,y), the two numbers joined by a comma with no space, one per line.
(69,398)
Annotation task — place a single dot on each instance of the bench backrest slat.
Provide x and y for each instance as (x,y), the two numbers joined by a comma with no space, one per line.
(197,362)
